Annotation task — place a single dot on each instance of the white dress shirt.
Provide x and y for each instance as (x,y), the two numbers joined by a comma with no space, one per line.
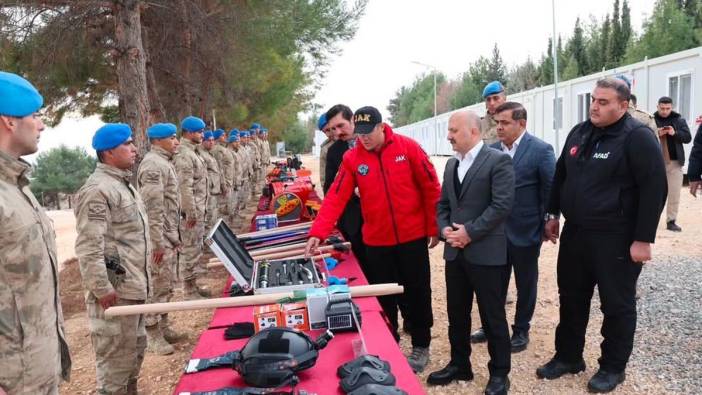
(513,151)
(466,161)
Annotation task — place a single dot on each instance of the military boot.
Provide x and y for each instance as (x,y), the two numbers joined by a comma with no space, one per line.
(190,291)
(156,344)
(203,290)
(169,334)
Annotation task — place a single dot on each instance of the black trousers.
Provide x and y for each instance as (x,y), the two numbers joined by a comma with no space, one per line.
(489,283)
(525,263)
(586,259)
(408,265)
(359,251)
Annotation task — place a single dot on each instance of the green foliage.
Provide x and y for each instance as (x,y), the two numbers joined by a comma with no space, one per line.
(297,138)
(416,102)
(668,30)
(673,26)
(61,170)
(247,60)
(467,93)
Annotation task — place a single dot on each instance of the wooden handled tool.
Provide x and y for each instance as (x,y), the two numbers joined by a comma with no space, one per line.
(240,301)
(273,231)
(300,256)
(298,251)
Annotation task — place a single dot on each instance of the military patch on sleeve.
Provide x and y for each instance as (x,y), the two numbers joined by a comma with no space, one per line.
(152,177)
(97,211)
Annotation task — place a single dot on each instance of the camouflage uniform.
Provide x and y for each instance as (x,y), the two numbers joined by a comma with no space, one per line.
(192,181)
(245,192)
(225,160)
(114,253)
(645,118)
(255,166)
(237,153)
(265,161)
(488,129)
(33,351)
(214,182)
(158,186)
(323,158)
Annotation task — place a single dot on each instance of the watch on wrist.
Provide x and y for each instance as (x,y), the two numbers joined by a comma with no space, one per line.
(550,216)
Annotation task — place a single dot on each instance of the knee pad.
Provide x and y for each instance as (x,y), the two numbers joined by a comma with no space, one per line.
(377,389)
(371,361)
(366,375)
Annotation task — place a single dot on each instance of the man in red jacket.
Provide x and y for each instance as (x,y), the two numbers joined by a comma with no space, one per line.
(399,189)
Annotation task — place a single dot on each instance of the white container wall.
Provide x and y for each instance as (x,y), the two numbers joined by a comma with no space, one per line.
(677,75)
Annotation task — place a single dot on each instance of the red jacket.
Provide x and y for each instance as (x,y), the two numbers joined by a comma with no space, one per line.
(399,190)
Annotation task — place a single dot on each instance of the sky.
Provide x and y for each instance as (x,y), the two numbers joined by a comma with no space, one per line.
(448,35)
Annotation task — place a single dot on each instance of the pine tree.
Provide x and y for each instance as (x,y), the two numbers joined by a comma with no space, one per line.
(627,30)
(497,68)
(546,66)
(577,50)
(605,42)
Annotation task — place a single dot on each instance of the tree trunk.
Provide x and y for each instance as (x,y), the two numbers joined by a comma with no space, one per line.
(157,113)
(131,71)
(185,60)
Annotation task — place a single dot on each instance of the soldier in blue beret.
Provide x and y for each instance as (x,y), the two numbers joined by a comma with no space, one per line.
(192,124)
(233,145)
(494,95)
(113,143)
(192,178)
(217,134)
(158,185)
(111,244)
(34,351)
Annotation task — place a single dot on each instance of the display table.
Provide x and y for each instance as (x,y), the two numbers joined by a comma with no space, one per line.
(320,379)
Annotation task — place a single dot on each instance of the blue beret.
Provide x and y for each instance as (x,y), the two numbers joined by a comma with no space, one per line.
(493,88)
(322,122)
(255,126)
(264,130)
(218,133)
(192,124)
(625,79)
(111,135)
(208,135)
(233,136)
(18,97)
(244,133)
(253,131)
(161,130)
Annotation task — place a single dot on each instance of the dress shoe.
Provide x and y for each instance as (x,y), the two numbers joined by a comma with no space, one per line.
(497,386)
(672,226)
(604,381)
(519,341)
(555,368)
(478,336)
(448,374)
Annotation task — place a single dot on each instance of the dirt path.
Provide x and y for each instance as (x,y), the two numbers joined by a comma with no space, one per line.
(160,374)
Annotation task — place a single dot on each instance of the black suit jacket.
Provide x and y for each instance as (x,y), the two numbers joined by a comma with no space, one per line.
(351,219)
(482,206)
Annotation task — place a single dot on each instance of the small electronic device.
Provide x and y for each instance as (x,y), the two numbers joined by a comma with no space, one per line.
(340,313)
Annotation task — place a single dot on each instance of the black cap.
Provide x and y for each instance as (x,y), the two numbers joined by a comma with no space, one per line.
(365,119)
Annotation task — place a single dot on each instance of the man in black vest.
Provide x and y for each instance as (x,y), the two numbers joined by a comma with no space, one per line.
(610,186)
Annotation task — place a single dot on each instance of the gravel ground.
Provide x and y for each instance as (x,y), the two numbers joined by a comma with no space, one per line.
(669,323)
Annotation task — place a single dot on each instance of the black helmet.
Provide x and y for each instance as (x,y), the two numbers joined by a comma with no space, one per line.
(273,356)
